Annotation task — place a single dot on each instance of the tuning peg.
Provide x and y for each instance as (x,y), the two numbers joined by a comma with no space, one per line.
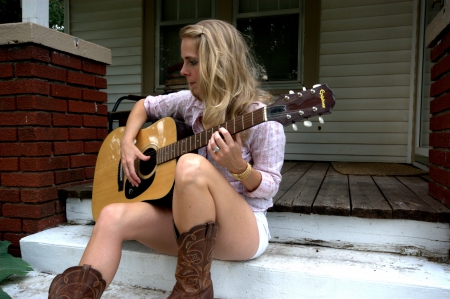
(294,127)
(321,119)
(307,123)
(304,88)
(316,85)
(291,92)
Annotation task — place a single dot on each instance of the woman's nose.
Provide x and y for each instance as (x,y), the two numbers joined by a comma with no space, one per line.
(183,70)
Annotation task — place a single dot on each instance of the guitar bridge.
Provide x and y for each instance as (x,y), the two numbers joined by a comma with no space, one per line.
(120,177)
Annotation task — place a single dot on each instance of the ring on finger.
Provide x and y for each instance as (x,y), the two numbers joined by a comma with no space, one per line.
(216,149)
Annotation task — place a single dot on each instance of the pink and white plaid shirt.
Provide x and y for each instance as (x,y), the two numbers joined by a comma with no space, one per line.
(263,147)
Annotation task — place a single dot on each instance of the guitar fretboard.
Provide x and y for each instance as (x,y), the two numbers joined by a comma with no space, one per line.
(201,139)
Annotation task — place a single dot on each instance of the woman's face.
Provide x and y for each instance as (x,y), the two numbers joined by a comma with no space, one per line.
(189,54)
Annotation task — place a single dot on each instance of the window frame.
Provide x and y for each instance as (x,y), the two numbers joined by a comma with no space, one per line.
(288,84)
(158,87)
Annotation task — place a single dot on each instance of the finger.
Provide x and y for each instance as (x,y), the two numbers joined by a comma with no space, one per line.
(226,135)
(238,139)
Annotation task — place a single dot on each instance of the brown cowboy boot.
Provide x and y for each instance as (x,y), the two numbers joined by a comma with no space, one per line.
(76,283)
(195,255)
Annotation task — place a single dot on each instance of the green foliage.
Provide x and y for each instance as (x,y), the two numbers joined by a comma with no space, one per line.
(10,11)
(56,14)
(10,265)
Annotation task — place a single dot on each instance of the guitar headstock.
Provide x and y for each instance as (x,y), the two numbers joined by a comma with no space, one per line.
(289,108)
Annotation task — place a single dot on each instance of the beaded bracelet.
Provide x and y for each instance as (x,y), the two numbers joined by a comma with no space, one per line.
(244,175)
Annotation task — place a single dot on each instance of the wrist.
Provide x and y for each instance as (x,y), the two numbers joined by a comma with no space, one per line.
(244,175)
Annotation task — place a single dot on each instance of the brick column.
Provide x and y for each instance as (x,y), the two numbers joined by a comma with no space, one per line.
(53,118)
(438,39)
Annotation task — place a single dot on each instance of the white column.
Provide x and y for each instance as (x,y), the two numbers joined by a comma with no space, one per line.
(35,11)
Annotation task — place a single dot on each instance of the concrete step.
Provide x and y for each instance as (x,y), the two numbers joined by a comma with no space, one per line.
(284,271)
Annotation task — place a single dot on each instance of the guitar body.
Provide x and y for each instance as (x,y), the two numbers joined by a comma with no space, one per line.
(156,180)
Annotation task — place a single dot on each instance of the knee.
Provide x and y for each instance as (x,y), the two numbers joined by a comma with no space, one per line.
(111,215)
(190,168)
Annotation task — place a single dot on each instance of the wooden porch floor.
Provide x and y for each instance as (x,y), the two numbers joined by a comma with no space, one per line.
(316,188)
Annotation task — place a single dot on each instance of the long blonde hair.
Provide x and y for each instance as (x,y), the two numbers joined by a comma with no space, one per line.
(228,73)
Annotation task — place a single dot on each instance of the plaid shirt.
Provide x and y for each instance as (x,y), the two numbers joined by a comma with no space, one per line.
(263,146)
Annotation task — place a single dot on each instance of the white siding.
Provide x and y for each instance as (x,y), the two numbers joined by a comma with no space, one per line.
(117,25)
(365,58)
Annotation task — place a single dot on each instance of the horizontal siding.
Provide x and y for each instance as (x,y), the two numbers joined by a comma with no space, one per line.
(365,58)
(117,25)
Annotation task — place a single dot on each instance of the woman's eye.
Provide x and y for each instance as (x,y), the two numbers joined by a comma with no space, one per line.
(193,62)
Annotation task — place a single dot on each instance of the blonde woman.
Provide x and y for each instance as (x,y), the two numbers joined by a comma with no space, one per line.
(221,194)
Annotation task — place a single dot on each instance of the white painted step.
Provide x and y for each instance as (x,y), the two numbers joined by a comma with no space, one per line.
(407,237)
(284,271)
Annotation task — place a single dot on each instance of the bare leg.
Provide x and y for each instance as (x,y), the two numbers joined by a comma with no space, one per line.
(140,221)
(202,195)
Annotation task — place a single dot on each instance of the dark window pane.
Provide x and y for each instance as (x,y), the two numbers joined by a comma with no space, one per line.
(170,50)
(169,10)
(275,43)
(248,6)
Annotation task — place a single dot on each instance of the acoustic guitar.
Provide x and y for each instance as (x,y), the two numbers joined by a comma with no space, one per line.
(166,140)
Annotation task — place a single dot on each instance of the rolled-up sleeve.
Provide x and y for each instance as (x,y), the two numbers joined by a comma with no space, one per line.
(267,144)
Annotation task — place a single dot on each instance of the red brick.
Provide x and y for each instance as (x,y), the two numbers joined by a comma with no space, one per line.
(31,52)
(33,195)
(89,172)
(82,134)
(95,95)
(102,109)
(66,60)
(65,148)
(40,71)
(440,140)
(14,238)
(439,175)
(440,104)
(7,104)
(7,134)
(34,149)
(11,225)
(9,195)
(43,164)
(67,120)
(34,226)
(60,206)
(43,134)
(95,67)
(25,119)
(66,176)
(102,133)
(101,83)
(9,164)
(92,147)
(435,156)
(82,161)
(441,67)
(81,107)
(39,179)
(440,193)
(66,91)
(41,103)
(6,70)
(25,86)
(33,211)
(95,121)
(79,78)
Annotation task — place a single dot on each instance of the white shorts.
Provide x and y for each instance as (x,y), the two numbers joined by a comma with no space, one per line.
(264,234)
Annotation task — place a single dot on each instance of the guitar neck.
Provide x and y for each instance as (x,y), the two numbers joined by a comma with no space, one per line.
(201,139)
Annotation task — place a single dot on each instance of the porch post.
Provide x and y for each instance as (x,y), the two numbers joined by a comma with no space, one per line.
(53,119)
(438,39)
(35,11)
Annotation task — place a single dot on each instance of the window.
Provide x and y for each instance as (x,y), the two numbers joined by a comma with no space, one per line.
(273,29)
(172,15)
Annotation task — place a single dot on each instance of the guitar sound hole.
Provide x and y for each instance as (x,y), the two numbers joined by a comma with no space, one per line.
(146,167)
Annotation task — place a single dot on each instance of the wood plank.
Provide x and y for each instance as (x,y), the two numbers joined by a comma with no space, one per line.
(288,165)
(420,188)
(289,178)
(367,200)
(305,190)
(333,197)
(405,203)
